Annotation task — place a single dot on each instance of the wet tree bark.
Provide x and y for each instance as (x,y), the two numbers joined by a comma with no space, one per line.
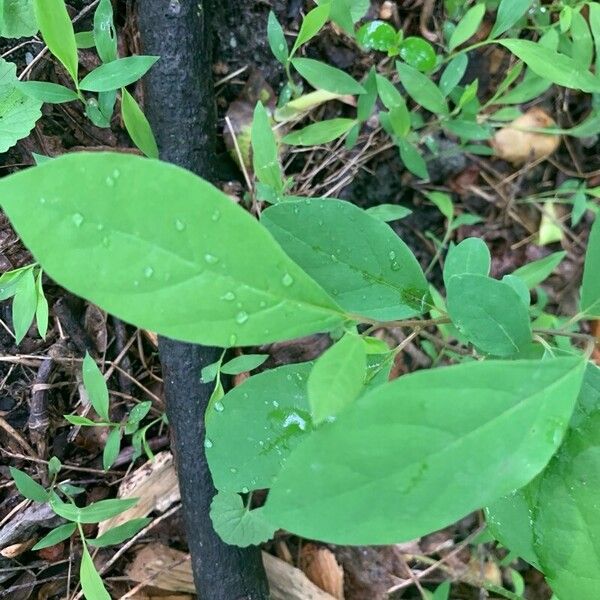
(180,106)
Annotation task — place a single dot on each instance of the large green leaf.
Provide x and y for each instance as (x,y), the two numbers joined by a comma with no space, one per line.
(18,112)
(17,18)
(590,291)
(252,429)
(356,257)
(161,248)
(421,452)
(489,313)
(470,256)
(554,522)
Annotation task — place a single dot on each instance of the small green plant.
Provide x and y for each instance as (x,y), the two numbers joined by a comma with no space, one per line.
(61,498)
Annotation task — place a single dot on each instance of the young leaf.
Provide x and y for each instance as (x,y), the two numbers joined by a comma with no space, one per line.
(17,19)
(52,93)
(517,284)
(120,533)
(389,212)
(534,273)
(412,159)
(422,90)
(80,421)
(590,291)
(27,486)
(210,372)
(337,378)
(453,74)
(583,45)
(111,448)
(85,40)
(93,513)
(90,580)
(377,35)
(117,74)
(157,233)
(398,464)
(41,306)
(236,524)
(18,112)
(366,102)
(467,26)
(267,415)
(324,77)
(311,25)
(105,35)
(24,305)
(509,12)
(54,467)
(594,10)
(470,256)
(137,125)
(139,412)
(418,53)
(322,132)
(243,364)
(277,40)
(265,154)
(489,313)
(57,30)
(443,202)
(374,274)
(95,386)
(64,532)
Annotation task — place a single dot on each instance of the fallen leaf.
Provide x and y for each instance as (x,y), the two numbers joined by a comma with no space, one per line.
(515,144)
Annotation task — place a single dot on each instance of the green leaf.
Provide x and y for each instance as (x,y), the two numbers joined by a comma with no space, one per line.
(27,486)
(112,447)
(277,40)
(93,513)
(311,25)
(594,10)
(18,112)
(553,522)
(377,35)
(41,306)
(24,305)
(367,101)
(137,125)
(139,412)
(373,274)
(238,525)
(81,421)
(17,19)
(551,65)
(489,313)
(399,115)
(105,35)
(337,378)
(9,280)
(509,13)
(56,536)
(590,291)
(267,416)
(467,26)
(85,40)
(565,19)
(157,234)
(389,212)
(265,154)
(324,77)
(120,533)
(57,30)
(453,74)
(534,273)
(54,467)
(210,372)
(117,74)
(341,14)
(243,364)
(443,202)
(517,284)
(412,159)
(442,592)
(468,130)
(359,9)
(322,132)
(95,386)
(418,53)
(470,256)
(399,463)
(52,93)
(583,45)
(90,580)
(422,90)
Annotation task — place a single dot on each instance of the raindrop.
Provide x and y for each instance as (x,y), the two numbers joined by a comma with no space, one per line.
(395,266)
(287,280)
(241,317)
(334,258)
(245,490)
(110,182)
(211,259)
(232,339)
(392,255)
(275,404)
(179,225)
(42,200)
(105,242)
(296,210)
(233,470)
(148,272)
(78,219)
(262,304)
(219,407)
(208,443)
(216,215)
(229,296)
(136,283)
(99,227)
(116,173)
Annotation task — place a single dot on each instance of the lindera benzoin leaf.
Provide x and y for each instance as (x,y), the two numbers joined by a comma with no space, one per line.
(470,256)
(267,415)
(155,235)
(419,466)
(373,274)
(18,112)
(553,523)
(237,524)
(17,19)
(489,313)
(590,291)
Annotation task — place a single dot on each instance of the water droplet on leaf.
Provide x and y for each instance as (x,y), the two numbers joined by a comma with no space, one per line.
(179,225)
(78,219)
(241,317)
(208,443)
(287,280)
(219,407)
(211,259)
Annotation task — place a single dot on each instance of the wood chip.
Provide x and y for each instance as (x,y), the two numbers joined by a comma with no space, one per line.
(321,567)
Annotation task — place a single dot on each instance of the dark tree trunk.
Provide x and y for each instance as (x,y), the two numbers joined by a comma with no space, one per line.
(180,105)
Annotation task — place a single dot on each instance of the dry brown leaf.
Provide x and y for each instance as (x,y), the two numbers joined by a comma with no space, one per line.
(518,146)
(168,569)
(154,483)
(321,567)
(17,549)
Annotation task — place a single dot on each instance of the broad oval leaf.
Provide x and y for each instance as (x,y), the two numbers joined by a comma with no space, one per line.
(590,291)
(423,451)
(489,313)
(161,248)
(373,274)
(267,415)
(377,35)
(325,77)
(418,53)
(470,256)
(117,73)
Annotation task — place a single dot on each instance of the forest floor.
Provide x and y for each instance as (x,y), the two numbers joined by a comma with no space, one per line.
(45,373)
